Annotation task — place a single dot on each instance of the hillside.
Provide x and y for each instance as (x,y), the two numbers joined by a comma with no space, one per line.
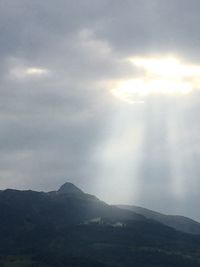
(179,223)
(68,227)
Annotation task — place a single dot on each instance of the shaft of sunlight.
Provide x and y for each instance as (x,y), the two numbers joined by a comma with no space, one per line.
(119,156)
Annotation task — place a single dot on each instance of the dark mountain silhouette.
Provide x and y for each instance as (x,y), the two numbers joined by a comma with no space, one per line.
(180,223)
(69,188)
(71,228)
(68,205)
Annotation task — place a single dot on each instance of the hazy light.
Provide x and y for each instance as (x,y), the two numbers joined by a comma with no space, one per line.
(118,157)
(163,76)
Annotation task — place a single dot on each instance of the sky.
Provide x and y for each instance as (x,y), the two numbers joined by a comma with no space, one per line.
(103,94)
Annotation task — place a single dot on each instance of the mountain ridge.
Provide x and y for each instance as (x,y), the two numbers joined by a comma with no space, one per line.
(178,222)
(70,228)
(69,191)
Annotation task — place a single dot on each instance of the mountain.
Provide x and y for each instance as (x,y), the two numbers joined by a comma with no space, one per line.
(179,223)
(68,227)
(68,205)
(69,188)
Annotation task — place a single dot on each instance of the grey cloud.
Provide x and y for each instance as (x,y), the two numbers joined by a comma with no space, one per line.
(153,27)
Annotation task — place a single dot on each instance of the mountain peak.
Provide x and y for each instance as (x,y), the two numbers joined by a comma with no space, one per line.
(69,188)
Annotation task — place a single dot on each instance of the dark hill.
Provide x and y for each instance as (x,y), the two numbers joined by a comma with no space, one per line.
(69,188)
(68,205)
(70,228)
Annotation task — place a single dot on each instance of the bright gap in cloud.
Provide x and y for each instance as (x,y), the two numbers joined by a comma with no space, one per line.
(35,71)
(159,76)
(25,72)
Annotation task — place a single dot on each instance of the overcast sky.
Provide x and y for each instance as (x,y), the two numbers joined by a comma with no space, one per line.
(59,118)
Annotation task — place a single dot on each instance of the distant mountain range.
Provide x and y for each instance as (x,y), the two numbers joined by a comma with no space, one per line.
(179,223)
(68,227)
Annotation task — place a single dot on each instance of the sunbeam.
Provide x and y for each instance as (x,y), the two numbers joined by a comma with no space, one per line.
(142,154)
(118,156)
